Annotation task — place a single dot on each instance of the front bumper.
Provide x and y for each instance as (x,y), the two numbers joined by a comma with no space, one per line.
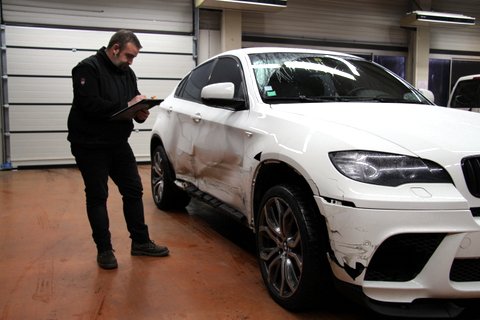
(420,308)
(400,256)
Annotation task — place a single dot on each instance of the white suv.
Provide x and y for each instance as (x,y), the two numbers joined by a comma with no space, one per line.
(466,94)
(345,172)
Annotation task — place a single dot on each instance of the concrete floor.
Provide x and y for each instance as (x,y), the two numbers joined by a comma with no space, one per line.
(48,269)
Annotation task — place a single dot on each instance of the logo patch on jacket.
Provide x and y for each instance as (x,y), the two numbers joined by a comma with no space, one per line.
(82,81)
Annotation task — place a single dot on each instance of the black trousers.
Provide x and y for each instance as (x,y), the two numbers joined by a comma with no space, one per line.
(117,162)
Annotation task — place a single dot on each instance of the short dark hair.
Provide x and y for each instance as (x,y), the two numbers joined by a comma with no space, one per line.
(122,37)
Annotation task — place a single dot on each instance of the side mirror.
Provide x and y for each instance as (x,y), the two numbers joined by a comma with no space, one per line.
(222,90)
(428,94)
(222,95)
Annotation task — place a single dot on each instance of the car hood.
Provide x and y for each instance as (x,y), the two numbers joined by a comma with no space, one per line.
(420,129)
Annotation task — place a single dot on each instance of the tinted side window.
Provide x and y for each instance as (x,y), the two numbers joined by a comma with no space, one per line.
(181,85)
(467,94)
(196,81)
(229,70)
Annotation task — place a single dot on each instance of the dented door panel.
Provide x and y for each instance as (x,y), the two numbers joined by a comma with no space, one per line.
(180,149)
(219,148)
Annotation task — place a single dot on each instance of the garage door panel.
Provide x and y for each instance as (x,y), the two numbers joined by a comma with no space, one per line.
(162,65)
(24,61)
(165,43)
(17,36)
(465,38)
(38,118)
(39,90)
(140,142)
(35,148)
(367,21)
(102,22)
(37,37)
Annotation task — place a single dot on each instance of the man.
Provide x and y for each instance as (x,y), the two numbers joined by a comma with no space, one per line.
(103,84)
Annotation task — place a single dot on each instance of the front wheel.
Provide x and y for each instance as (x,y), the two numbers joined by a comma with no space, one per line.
(166,194)
(290,251)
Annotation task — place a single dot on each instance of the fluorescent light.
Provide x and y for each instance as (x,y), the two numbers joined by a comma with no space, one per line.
(417,18)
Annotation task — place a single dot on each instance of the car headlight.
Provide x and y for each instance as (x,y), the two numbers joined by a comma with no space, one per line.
(387,169)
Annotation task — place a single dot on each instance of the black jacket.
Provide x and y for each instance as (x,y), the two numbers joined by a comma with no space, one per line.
(99,90)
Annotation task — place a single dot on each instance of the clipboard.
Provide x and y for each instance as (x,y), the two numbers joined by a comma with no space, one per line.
(129,112)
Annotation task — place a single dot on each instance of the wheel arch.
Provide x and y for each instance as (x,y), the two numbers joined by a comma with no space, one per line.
(273,172)
(155,141)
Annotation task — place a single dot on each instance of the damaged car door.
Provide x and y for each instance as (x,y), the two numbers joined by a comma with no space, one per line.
(220,143)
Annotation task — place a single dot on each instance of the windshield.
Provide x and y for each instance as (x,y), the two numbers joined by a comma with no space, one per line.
(308,77)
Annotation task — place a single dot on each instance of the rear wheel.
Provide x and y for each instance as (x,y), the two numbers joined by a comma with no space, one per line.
(166,194)
(290,250)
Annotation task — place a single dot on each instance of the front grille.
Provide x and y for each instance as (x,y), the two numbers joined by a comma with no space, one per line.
(465,270)
(402,257)
(471,172)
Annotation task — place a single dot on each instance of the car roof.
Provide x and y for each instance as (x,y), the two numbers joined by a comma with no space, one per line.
(247,51)
(469,77)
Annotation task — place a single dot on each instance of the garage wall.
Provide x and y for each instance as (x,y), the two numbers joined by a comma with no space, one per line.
(361,26)
(330,23)
(457,38)
(46,39)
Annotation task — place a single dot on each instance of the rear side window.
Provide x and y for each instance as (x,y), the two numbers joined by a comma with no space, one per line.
(467,94)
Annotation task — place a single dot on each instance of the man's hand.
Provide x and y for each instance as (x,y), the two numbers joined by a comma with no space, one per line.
(142,115)
(136,99)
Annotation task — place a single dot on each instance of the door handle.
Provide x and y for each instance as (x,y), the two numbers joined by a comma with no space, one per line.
(197,117)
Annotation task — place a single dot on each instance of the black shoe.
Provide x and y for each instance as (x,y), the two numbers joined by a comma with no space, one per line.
(149,249)
(107,260)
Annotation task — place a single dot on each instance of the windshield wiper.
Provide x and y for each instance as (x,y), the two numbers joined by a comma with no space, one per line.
(388,99)
(303,98)
(320,98)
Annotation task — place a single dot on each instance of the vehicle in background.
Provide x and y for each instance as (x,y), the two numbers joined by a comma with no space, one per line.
(466,94)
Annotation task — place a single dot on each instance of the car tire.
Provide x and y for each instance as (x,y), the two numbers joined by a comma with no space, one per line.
(165,193)
(291,249)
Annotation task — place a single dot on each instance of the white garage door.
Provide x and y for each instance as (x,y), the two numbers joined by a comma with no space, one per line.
(330,24)
(38,60)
